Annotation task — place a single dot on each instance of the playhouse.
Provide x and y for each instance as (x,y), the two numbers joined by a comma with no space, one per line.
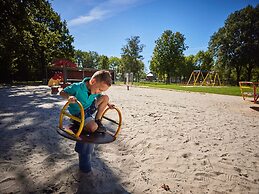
(63,72)
(70,71)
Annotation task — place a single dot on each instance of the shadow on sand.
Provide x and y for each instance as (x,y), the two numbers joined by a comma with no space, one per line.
(255,108)
(33,157)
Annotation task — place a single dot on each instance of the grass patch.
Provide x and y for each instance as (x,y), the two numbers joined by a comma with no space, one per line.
(224,90)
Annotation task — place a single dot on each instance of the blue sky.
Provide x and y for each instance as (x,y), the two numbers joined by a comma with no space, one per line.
(104,25)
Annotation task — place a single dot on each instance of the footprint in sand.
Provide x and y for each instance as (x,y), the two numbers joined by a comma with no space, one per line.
(203,178)
(8,183)
(186,155)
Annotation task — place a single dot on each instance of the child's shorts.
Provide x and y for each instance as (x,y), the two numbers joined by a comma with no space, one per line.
(89,113)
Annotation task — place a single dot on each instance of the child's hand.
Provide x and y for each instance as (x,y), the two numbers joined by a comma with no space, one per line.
(72,99)
(111,106)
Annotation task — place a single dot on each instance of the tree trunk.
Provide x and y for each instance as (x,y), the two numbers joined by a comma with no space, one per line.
(249,72)
(167,79)
(238,71)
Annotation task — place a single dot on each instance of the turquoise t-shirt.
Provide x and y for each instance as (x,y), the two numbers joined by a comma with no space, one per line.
(80,91)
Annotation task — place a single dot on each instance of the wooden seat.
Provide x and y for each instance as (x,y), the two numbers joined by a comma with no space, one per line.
(249,89)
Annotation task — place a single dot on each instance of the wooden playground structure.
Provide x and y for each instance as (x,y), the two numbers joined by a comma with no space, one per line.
(249,90)
(204,78)
(64,72)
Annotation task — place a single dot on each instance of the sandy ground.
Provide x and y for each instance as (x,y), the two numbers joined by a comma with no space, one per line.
(171,142)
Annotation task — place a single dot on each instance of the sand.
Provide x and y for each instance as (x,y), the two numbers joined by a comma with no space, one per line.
(170,142)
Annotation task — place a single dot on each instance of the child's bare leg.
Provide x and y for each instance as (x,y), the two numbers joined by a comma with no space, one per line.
(101,104)
(91,126)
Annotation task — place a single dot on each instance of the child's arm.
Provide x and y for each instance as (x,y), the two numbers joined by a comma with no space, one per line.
(65,95)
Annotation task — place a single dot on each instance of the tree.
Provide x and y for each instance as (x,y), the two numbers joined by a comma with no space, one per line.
(168,54)
(31,36)
(204,60)
(87,59)
(131,56)
(235,45)
(103,62)
(79,58)
(188,67)
(93,58)
(115,64)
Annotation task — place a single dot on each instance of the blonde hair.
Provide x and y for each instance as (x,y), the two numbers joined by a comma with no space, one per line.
(103,76)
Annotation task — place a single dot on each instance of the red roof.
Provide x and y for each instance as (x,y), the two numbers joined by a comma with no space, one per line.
(63,63)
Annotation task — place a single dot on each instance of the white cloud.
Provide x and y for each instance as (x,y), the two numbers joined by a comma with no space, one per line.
(95,14)
(103,11)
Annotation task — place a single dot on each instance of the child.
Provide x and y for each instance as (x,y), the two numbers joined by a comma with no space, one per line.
(55,79)
(88,92)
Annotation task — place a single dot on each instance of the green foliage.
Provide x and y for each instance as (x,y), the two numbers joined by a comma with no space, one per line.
(204,60)
(31,36)
(116,64)
(92,59)
(168,55)
(236,45)
(131,57)
(188,67)
(103,62)
(87,59)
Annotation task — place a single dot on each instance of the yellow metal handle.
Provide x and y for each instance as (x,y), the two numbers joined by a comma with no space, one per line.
(120,119)
(81,121)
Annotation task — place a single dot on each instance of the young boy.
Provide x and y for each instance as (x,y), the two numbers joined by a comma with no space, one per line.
(88,92)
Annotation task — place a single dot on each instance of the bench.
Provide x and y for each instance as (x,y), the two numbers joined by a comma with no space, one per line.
(248,89)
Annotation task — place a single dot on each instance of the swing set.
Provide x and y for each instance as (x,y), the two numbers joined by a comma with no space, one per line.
(204,78)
